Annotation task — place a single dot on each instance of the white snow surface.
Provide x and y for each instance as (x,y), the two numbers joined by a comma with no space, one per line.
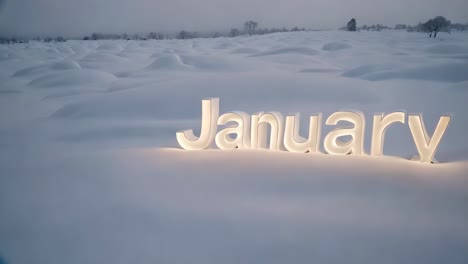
(90,170)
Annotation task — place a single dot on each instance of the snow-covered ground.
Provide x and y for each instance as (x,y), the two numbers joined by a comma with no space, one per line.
(90,170)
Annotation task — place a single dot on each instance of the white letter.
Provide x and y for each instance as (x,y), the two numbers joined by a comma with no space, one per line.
(210,113)
(259,129)
(332,143)
(224,140)
(294,142)
(426,145)
(381,123)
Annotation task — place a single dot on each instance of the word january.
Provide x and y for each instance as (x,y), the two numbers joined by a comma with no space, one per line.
(251,132)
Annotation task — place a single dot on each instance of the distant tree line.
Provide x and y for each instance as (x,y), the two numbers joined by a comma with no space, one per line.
(432,26)
(13,40)
(376,27)
(250,27)
(352,26)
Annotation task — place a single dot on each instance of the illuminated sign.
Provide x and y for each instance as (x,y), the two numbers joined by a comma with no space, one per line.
(250,132)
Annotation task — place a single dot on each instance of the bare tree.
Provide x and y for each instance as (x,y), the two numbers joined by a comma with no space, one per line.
(351,26)
(234,32)
(60,39)
(250,27)
(400,26)
(183,35)
(152,35)
(436,25)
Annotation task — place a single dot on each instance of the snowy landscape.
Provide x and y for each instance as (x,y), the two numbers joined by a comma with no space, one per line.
(91,172)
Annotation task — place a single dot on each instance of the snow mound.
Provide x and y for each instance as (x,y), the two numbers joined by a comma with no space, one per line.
(211,63)
(296,50)
(6,55)
(168,62)
(88,151)
(245,51)
(52,51)
(66,64)
(73,78)
(32,71)
(110,46)
(447,72)
(35,71)
(332,46)
(367,69)
(65,50)
(103,57)
(224,45)
(447,49)
(152,101)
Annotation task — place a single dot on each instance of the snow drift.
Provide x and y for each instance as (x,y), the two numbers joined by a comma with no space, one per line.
(90,171)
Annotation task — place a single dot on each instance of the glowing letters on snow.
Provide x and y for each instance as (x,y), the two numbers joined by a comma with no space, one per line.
(332,142)
(259,130)
(250,132)
(210,113)
(294,142)
(426,145)
(381,123)
(242,130)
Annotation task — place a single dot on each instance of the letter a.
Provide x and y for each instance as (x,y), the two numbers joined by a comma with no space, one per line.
(242,140)
(332,143)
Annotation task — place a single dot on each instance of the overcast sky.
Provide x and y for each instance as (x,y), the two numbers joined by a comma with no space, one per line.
(79,17)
